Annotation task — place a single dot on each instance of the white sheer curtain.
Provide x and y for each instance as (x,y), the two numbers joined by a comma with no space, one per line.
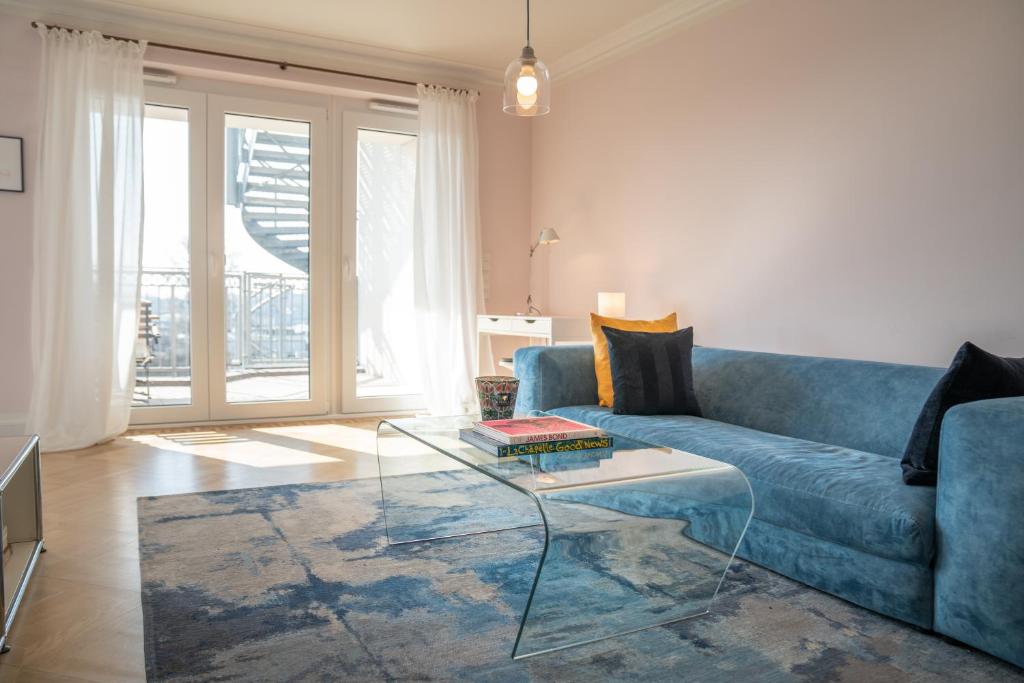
(87,249)
(446,226)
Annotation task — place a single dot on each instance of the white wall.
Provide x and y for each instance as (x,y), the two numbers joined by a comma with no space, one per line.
(19,116)
(841,178)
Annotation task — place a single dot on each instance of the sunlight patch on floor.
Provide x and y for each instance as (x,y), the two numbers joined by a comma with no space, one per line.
(362,439)
(199,438)
(233,448)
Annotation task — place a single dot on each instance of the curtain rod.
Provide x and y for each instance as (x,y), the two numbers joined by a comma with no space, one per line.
(279,63)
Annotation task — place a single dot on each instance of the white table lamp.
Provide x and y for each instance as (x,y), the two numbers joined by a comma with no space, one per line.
(611,304)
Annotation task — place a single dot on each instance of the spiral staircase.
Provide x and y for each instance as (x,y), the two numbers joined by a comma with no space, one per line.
(268,179)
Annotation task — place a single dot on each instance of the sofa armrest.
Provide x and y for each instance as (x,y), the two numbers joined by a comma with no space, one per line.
(979,513)
(555,376)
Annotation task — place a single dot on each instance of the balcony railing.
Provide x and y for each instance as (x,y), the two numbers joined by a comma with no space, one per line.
(266,321)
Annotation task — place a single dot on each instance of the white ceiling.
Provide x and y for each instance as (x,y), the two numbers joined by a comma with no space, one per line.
(484,34)
(464,43)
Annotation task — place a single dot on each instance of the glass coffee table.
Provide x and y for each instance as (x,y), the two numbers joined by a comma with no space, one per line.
(635,536)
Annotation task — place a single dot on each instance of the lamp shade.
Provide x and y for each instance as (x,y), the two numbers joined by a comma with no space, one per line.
(611,304)
(527,86)
(548,236)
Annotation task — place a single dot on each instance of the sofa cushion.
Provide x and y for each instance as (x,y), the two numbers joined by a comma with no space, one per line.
(652,372)
(602,361)
(974,375)
(849,497)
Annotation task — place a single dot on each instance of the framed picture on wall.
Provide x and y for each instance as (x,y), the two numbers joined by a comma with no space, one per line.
(12,164)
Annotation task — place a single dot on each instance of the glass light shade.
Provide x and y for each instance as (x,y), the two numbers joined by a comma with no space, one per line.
(548,236)
(611,304)
(527,86)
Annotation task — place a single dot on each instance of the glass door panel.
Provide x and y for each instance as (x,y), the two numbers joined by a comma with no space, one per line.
(379,355)
(387,355)
(266,259)
(267,315)
(170,354)
(163,354)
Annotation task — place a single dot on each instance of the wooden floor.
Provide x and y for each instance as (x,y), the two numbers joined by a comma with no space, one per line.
(82,617)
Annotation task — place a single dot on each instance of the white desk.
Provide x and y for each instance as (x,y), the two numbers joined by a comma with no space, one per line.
(547,329)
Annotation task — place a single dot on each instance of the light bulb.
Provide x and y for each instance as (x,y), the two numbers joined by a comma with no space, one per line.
(526,84)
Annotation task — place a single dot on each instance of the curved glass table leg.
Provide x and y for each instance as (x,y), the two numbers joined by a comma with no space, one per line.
(426,495)
(622,557)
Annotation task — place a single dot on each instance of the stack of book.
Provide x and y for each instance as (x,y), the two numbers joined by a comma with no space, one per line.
(534,436)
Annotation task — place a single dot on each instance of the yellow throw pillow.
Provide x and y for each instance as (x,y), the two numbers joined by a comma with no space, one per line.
(602,361)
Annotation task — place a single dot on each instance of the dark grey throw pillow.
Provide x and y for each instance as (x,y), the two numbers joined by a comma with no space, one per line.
(652,372)
(974,375)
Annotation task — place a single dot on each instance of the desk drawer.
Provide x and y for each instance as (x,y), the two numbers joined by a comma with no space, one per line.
(540,327)
(493,323)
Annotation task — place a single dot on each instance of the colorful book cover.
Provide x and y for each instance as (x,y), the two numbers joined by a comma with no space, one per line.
(533,429)
(533,448)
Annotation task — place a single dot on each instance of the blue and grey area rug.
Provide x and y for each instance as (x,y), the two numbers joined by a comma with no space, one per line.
(297,583)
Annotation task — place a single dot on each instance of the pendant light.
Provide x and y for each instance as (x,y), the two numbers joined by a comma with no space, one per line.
(527,84)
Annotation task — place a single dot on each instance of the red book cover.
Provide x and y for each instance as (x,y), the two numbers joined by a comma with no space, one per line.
(533,429)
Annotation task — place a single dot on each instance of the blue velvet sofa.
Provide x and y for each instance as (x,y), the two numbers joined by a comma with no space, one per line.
(820,441)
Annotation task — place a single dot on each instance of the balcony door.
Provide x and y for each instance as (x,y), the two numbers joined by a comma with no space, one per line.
(380,360)
(232,319)
(267,243)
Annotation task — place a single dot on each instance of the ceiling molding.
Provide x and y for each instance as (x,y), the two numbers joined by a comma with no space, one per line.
(120,18)
(643,31)
(224,36)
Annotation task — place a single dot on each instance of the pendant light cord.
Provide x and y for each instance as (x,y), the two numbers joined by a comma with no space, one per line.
(527,23)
